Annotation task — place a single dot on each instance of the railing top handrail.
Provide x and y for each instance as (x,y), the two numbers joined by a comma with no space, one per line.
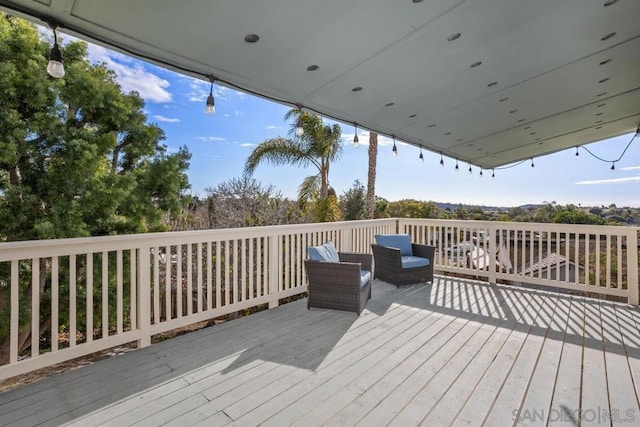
(46,248)
(602,229)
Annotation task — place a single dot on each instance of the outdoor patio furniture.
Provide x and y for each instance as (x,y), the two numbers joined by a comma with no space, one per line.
(338,280)
(400,262)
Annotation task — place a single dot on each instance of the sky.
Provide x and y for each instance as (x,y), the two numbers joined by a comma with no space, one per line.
(220,145)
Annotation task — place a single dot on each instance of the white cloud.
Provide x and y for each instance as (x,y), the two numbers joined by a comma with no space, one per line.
(274,127)
(160,118)
(210,138)
(247,144)
(131,75)
(630,168)
(625,180)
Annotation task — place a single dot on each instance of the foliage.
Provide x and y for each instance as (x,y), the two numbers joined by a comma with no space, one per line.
(352,203)
(239,202)
(327,209)
(318,146)
(409,208)
(77,155)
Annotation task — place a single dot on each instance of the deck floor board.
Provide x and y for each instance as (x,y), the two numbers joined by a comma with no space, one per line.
(455,352)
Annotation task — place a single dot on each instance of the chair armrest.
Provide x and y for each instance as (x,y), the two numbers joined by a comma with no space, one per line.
(386,256)
(345,274)
(365,260)
(423,251)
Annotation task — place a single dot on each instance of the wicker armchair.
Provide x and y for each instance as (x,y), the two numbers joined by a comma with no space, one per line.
(389,264)
(337,285)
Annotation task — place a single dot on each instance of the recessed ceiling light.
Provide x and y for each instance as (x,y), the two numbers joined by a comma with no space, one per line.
(389,104)
(539,143)
(513,111)
(532,133)
(453,37)
(604,80)
(251,38)
(412,116)
(432,126)
(312,67)
(460,139)
(602,94)
(600,105)
(606,3)
(447,133)
(599,114)
(598,127)
(527,127)
(606,61)
(521,120)
(503,99)
(356,89)
(492,84)
(476,64)
(470,144)
(608,36)
(420,1)
(599,121)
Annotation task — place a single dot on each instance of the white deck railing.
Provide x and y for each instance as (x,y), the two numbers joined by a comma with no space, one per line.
(108,291)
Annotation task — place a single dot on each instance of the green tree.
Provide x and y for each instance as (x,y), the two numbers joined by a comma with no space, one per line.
(77,156)
(352,203)
(318,146)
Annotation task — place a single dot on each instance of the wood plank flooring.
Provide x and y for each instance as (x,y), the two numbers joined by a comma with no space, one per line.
(455,352)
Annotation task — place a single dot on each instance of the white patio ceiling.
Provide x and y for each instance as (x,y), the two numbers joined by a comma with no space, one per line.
(549,74)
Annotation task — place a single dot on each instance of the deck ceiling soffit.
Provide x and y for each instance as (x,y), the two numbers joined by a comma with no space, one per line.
(523,79)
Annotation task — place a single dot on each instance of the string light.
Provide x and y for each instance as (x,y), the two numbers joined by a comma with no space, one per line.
(299,128)
(613,167)
(394,150)
(356,142)
(532,165)
(480,173)
(493,174)
(210,108)
(457,168)
(577,153)
(421,157)
(470,171)
(55,67)
(441,161)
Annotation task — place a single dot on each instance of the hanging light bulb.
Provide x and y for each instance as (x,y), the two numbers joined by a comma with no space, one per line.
(394,150)
(493,174)
(457,168)
(299,128)
(55,67)
(441,161)
(613,167)
(421,156)
(481,173)
(532,165)
(210,108)
(470,171)
(638,131)
(356,142)
(577,153)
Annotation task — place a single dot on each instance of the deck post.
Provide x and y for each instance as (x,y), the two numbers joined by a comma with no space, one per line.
(144,297)
(274,264)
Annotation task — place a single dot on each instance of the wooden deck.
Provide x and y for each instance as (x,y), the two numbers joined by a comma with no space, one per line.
(456,352)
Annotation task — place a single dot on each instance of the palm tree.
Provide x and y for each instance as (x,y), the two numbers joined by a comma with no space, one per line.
(371,176)
(318,146)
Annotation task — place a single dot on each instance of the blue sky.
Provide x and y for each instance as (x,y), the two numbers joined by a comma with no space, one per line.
(220,145)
